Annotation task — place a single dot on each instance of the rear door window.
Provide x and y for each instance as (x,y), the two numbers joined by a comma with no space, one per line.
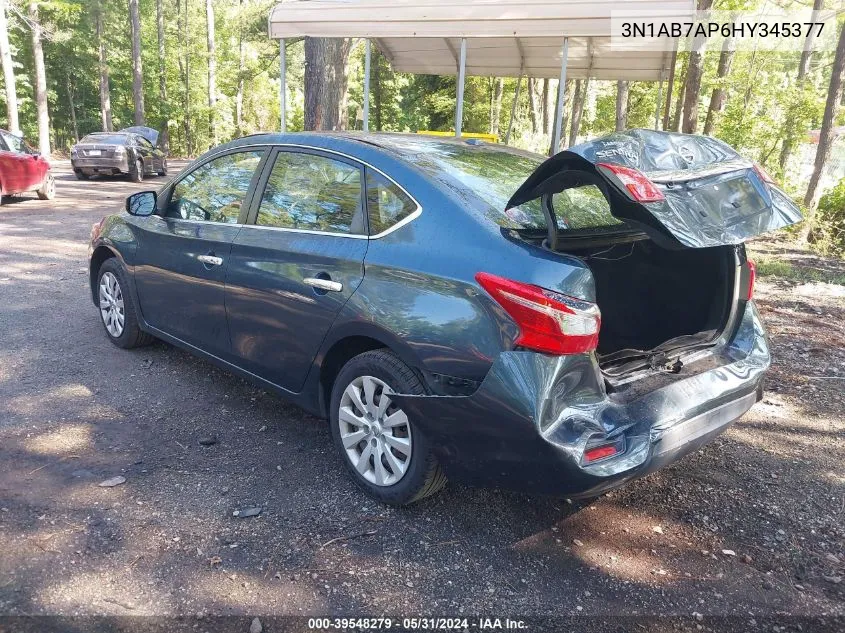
(310,192)
(387,204)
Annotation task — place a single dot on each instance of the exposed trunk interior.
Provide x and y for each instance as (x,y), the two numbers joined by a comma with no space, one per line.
(651,297)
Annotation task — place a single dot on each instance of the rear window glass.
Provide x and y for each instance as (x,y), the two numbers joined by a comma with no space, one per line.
(108,139)
(493,173)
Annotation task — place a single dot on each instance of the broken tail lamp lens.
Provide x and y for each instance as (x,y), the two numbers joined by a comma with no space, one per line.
(548,321)
(638,186)
(599,450)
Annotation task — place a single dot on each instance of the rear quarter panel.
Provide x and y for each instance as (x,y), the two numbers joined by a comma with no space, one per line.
(419,293)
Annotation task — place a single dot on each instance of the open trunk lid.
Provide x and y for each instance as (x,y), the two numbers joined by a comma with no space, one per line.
(141,130)
(711,196)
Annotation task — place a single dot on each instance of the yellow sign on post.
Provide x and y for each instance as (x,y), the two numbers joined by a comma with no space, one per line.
(490,138)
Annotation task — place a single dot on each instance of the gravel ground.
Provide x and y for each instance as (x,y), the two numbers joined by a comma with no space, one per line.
(752,526)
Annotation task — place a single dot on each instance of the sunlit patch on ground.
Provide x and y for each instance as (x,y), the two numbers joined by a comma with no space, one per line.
(65,440)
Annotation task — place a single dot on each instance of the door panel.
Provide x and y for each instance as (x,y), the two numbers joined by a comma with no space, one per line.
(182,257)
(11,171)
(290,275)
(178,293)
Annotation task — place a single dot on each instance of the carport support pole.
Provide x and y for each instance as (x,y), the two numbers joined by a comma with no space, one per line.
(561,93)
(459,110)
(366,126)
(282,88)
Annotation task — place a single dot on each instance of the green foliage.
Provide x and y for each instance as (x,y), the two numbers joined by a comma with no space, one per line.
(828,231)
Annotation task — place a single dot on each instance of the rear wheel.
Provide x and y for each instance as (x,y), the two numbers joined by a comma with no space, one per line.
(386,454)
(48,188)
(117,310)
(81,175)
(136,171)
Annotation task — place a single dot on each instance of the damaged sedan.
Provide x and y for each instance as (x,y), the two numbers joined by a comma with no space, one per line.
(462,310)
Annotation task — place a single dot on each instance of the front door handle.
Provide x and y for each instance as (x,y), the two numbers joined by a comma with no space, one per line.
(324,284)
(210,260)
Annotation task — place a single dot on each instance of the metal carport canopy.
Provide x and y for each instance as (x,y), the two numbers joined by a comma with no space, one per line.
(502,38)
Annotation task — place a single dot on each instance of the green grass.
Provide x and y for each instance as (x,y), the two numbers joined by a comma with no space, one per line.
(771,267)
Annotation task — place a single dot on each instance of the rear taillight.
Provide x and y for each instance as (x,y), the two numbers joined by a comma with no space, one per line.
(635,182)
(548,321)
(764,175)
(752,277)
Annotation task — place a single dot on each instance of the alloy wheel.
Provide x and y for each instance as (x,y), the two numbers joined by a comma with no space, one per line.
(375,433)
(111,304)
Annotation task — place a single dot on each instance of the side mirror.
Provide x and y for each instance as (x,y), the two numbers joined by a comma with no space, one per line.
(141,204)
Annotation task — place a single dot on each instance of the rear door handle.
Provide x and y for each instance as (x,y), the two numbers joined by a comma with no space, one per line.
(210,260)
(324,284)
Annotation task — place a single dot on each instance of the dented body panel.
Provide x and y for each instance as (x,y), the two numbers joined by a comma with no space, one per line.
(713,196)
(527,425)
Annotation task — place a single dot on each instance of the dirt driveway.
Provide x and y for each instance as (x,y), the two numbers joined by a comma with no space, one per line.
(751,527)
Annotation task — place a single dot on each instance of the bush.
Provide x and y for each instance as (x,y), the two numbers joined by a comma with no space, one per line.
(828,232)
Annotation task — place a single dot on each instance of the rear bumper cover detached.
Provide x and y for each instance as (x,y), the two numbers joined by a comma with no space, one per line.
(528,424)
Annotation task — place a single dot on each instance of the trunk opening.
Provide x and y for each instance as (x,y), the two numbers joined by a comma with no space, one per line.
(656,303)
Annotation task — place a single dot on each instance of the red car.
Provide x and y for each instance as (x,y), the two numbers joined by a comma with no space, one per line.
(22,169)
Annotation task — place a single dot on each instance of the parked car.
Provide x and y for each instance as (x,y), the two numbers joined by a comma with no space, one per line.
(22,169)
(461,309)
(132,150)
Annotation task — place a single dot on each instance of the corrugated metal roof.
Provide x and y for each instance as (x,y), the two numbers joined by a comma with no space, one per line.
(423,36)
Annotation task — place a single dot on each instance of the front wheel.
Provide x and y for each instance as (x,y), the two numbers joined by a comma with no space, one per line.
(47,191)
(117,310)
(386,454)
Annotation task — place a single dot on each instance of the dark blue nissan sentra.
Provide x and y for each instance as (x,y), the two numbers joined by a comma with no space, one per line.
(458,309)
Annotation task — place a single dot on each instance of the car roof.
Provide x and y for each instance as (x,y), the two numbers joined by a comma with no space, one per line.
(398,145)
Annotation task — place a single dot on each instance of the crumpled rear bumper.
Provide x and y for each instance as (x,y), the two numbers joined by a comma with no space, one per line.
(527,425)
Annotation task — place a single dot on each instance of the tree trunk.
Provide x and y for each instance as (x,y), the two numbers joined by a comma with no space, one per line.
(326,82)
(239,95)
(212,70)
(40,82)
(72,110)
(184,59)
(695,69)
(580,96)
(533,106)
(105,93)
(621,105)
(831,110)
(8,72)
(546,106)
(496,114)
(378,101)
(679,105)
(720,95)
(790,137)
(670,85)
(137,69)
(162,77)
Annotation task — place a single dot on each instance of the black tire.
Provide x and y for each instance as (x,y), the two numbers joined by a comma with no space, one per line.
(81,176)
(163,171)
(47,191)
(132,335)
(136,171)
(423,476)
